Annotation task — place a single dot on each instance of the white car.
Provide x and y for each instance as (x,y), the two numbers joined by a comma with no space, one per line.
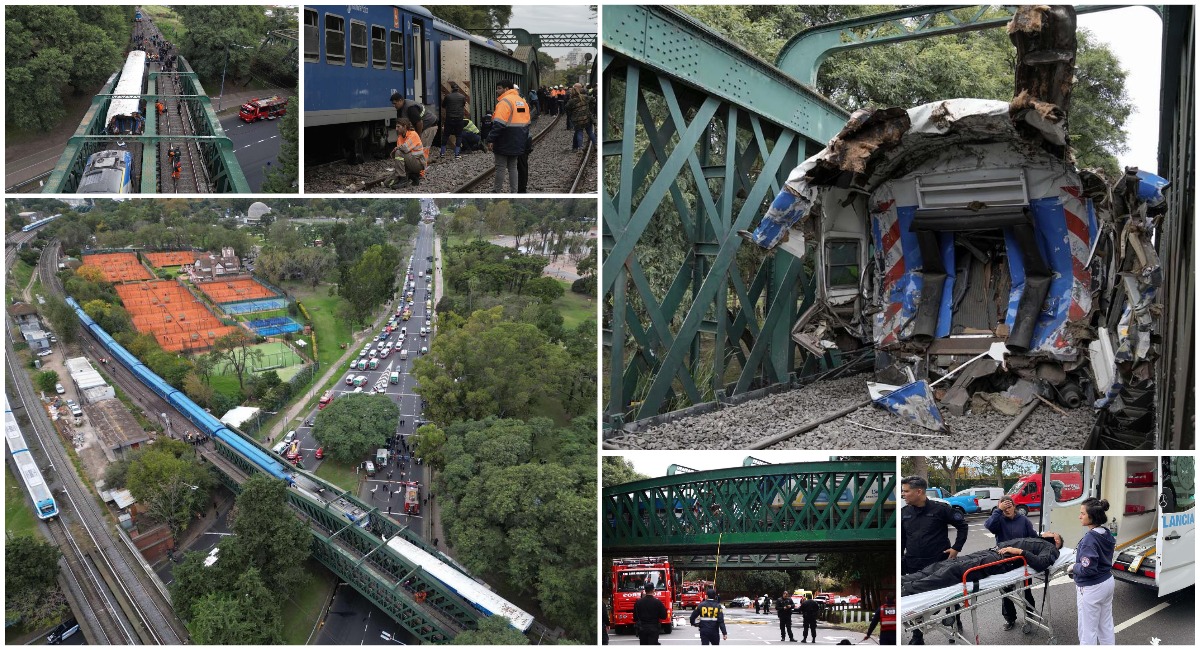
(58,388)
(45,353)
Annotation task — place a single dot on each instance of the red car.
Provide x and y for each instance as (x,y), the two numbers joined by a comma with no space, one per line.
(320,453)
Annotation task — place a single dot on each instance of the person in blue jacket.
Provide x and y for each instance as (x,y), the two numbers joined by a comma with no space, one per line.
(1093,575)
(1006,524)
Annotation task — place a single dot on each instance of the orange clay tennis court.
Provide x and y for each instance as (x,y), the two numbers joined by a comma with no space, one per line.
(119,267)
(170,258)
(172,314)
(235,290)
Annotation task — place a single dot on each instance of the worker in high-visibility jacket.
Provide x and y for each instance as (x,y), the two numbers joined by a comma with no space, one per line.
(509,134)
(885,618)
(410,152)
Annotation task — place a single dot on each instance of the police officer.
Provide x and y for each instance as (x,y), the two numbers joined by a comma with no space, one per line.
(712,619)
(923,535)
(885,618)
(648,612)
(810,609)
(784,607)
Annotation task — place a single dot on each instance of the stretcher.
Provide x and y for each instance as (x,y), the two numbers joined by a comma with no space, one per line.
(926,611)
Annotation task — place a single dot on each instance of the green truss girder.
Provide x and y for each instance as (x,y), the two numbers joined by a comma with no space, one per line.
(517,36)
(757,561)
(216,148)
(754,509)
(362,558)
(803,54)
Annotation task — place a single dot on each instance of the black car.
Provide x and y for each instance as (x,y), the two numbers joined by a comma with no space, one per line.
(63,631)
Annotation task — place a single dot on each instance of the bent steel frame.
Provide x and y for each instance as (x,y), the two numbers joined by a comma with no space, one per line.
(786,507)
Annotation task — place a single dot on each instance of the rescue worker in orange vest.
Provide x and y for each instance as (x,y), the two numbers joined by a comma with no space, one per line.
(509,134)
(410,152)
(159,105)
(178,168)
(885,618)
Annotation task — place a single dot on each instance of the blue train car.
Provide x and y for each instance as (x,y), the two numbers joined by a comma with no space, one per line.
(27,469)
(357,56)
(38,224)
(107,172)
(203,420)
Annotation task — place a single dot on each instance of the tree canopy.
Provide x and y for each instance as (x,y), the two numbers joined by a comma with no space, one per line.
(616,470)
(518,500)
(30,591)
(355,425)
(169,482)
(474,16)
(493,630)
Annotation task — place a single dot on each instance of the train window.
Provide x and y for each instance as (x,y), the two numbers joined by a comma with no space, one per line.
(397,38)
(358,44)
(312,35)
(841,263)
(378,46)
(335,39)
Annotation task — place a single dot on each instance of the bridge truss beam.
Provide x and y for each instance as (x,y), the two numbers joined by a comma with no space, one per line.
(758,561)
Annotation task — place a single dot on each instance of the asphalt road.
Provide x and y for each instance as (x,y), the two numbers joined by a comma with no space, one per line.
(254,145)
(353,620)
(1139,615)
(747,628)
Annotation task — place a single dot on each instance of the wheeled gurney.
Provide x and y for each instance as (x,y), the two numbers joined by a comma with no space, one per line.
(925,611)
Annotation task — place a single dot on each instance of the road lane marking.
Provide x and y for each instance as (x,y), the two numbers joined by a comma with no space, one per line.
(1141,617)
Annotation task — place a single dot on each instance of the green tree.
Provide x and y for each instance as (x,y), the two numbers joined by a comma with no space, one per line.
(218,34)
(31,566)
(474,16)
(371,281)
(428,443)
(412,212)
(170,483)
(267,535)
(616,470)
(249,614)
(490,367)
(355,425)
(867,569)
(62,318)
(545,288)
(492,630)
(236,349)
(283,178)
(46,380)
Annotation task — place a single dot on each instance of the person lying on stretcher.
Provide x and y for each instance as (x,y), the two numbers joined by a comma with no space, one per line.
(1039,553)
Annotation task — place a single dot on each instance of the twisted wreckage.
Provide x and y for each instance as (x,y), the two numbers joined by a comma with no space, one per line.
(960,227)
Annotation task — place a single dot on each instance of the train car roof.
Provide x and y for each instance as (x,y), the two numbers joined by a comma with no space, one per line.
(461,584)
(450,28)
(130,83)
(413,9)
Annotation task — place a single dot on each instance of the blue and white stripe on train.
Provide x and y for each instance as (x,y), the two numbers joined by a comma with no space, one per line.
(31,475)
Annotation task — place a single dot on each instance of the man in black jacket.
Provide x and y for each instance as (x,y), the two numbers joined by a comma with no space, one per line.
(648,613)
(810,609)
(712,619)
(1039,553)
(784,607)
(923,536)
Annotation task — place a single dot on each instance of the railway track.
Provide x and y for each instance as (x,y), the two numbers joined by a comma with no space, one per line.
(837,414)
(93,546)
(29,185)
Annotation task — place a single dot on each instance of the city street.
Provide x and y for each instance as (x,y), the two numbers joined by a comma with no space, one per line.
(746,627)
(254,145)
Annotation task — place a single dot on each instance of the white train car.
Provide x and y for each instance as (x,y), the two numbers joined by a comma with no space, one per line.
(479,596)
(35,486)
(126,114)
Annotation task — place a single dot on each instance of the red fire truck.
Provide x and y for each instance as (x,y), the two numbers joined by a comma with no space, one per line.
(629,577)
(693,593)
(325,400)
(267,108)
(412,498)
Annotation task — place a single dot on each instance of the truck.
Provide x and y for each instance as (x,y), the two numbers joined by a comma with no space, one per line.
(629,576)
(266,108)
(327,399)
(965,505)
(693,593)
(1027,492)
(1152,515)
(406,314)
(381,457)
(412,498)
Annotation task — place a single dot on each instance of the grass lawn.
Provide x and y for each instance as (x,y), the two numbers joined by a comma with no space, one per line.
(303,610)
(331,331)
(18,278)
(226,385)
(167,22)
(340,474)
(574,307)
(18,510)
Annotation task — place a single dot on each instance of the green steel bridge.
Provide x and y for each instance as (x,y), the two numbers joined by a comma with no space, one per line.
(216,149)
(699,136)
(758,515)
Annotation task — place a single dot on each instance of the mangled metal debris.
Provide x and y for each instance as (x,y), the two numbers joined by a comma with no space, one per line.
(946,229)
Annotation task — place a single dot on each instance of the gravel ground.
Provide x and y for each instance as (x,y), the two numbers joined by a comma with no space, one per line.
(737,427)
(552,169)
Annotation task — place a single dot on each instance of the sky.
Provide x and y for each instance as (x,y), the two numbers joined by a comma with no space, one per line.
(1134,34)
(548,19)
(654,464)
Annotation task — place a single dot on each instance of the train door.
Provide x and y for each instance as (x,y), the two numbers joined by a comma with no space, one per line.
(418,61)
(396,54)
(1176,537)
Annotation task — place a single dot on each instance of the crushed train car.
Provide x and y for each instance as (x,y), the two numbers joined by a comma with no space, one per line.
(940,230)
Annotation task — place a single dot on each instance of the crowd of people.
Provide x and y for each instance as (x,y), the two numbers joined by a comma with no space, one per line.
(930,561)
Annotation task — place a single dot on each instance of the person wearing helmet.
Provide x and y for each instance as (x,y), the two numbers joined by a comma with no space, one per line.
(712,619)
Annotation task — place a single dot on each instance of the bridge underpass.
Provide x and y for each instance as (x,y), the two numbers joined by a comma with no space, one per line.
(756,561)
(793,508)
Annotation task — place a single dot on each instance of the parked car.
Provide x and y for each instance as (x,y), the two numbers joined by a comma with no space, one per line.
(58,388)
(320,453)
(965,505)
(740,601)
(64,630)
(988,498)
(45,353)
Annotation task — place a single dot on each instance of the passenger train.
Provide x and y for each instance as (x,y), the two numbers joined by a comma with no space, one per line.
(38,224)
(203,420)
(356,56)
(35,486)
(107,172)
(127,109)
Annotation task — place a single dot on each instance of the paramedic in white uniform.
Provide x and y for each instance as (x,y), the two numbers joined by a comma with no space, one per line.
(1093,576)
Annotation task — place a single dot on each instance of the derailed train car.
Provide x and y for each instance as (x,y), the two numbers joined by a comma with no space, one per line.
(942,230)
